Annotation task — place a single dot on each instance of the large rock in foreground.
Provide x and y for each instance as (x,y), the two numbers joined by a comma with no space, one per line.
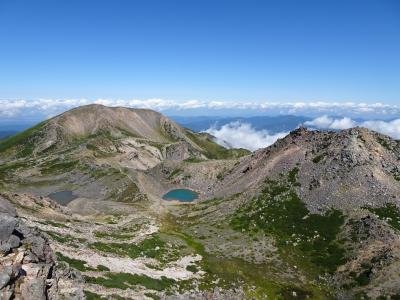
(27,264)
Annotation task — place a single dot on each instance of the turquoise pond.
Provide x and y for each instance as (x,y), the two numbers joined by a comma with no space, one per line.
(181,195)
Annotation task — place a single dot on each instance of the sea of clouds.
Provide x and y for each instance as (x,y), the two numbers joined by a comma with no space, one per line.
(50,107)
(235,134)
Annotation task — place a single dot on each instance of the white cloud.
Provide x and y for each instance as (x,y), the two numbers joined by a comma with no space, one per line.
(21,107)
(343,123)
(390,128)
(330,123)
(320,122)
(243,135)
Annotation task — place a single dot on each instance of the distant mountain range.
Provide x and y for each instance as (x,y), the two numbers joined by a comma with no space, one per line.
(273,124)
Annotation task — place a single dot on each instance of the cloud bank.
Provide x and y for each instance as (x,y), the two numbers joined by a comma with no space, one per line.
(50,107)
(390,128)
(243,135)
(330,123)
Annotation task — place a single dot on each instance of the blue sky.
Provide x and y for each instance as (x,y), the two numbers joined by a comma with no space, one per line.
(208,50)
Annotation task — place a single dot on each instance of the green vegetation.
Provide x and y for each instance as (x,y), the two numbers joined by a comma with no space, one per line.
(25,139)
(396,173)
(192,268)
(319,158)
(193,160)
(64,238)
(152,247)
(214,151)
(384,143)
(128,194)
(59,168)
(152,296)
(8,169)
(389,213)
(159,146)
(125,280)
(102,268)
(98,172)
(55,224)
(292,176)
(258,280)
(113,235)
(278,211)
(92,147)
(74,263)
(174,173)
(93,296)
(364,277)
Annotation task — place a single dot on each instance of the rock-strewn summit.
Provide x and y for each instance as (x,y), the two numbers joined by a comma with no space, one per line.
(347,169)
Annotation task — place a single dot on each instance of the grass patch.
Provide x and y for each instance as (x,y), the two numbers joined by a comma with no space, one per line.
(59,168)
(54,224)
(174,173)
(74,263)
(192,268)
(278,211)
(152,247)
(389,213)
(318,158)
(93,296)
(384,143)
(152,296)
(193,160)
(124,281)
(65,238)
(293,176)
(102,268)
(113,235)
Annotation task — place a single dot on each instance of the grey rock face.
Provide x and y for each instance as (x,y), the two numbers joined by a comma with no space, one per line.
(27,265)
(5,277)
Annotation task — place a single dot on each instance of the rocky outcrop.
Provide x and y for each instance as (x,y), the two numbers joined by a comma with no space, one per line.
(28,268)
(181,151)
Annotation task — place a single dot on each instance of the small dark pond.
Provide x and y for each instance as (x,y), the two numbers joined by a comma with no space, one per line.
(181,195)
(63,197)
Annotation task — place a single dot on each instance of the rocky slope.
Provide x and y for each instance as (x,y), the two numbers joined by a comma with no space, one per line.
(346,169)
